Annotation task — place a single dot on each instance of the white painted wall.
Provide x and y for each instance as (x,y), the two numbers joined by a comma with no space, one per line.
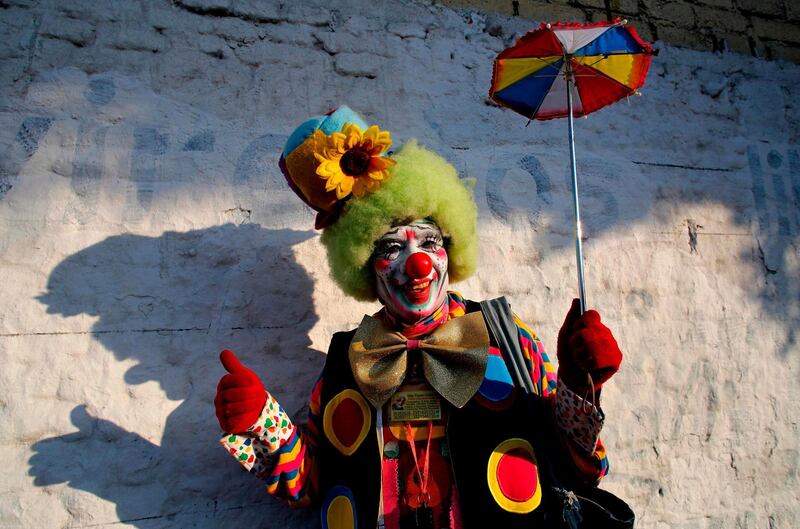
(144,225)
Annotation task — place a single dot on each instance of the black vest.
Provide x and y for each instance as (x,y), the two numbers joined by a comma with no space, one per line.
(477,438)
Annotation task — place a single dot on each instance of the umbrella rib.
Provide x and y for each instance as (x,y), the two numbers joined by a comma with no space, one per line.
(554,76)
(598,73)
(532,116)
(604,57)
(542,59)
(618,52)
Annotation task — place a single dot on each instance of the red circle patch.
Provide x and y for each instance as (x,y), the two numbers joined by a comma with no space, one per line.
(516,475)
(348,420)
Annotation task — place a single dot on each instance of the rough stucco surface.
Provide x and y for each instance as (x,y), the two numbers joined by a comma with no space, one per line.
(144,226)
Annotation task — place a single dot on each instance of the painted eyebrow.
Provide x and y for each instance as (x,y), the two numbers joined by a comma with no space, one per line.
(392,231)
(426,228)
(423,233)
(393,234)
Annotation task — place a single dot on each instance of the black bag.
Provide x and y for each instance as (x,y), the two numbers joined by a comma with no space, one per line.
(582,507)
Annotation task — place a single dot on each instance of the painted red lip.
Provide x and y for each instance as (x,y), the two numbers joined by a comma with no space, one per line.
(418,291)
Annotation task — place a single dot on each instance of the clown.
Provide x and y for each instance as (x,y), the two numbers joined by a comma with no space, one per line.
(415,421)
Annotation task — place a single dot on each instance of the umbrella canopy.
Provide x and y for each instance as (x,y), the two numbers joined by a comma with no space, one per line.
(567,70)
(607,61)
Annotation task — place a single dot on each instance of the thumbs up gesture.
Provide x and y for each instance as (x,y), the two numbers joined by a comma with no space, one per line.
(240,395)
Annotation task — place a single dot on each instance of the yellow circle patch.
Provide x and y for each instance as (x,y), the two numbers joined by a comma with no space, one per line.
(513,476)
(340,514)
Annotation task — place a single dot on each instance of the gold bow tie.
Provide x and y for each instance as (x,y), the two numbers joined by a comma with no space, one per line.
(454,358)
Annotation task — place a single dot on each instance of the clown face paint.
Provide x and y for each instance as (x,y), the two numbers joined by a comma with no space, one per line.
(411,270)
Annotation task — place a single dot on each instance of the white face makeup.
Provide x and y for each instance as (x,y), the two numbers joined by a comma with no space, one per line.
(411,270)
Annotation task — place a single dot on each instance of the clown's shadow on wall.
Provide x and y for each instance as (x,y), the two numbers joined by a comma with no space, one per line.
(171,303)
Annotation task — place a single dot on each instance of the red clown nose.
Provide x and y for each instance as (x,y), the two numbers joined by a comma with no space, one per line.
(418,265)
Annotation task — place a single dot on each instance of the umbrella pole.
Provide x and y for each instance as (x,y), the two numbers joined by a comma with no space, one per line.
(575,201)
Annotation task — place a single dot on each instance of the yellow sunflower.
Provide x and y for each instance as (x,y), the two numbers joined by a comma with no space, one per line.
(350,161)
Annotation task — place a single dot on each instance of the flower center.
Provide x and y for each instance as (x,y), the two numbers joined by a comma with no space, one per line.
(354,162)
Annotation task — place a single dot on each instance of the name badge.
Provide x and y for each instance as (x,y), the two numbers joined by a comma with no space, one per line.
(417,402)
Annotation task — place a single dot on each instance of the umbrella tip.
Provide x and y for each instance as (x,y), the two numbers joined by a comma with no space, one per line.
(624,21)
(548,25)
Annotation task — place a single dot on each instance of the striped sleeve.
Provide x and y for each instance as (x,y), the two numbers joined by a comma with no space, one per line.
(277,452)
(294,476)
(542,371)
(578,421)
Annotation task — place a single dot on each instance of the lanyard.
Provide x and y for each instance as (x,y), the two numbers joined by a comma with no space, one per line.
(423,474)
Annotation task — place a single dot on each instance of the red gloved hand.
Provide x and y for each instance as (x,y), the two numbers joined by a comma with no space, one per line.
(586,346)
(240,395)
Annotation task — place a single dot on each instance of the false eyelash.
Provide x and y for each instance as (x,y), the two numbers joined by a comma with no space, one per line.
(387,248)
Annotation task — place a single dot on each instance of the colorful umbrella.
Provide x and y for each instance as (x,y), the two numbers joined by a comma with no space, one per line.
(567,70)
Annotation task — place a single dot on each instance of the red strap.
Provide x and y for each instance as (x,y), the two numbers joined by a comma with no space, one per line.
(424,474)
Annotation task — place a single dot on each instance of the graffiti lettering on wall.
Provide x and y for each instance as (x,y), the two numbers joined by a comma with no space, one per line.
(510,193)
(258,164)
(149,145)
(516,188)
(255,175)
(31,132)
(201,141)
(27,139)
(524,189)
(85,167)
(87,171)
(100,91)
(258,158)
(776,190)
(87,162)
(775,184)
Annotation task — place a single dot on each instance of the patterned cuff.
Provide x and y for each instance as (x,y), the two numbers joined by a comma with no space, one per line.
(254,448)
(580,420)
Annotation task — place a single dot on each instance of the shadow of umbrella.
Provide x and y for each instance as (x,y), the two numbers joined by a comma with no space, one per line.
(171,303)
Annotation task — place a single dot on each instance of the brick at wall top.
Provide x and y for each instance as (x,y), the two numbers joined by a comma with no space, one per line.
(763,28)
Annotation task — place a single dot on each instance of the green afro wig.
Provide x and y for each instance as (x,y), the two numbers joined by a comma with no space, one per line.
(422,185)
